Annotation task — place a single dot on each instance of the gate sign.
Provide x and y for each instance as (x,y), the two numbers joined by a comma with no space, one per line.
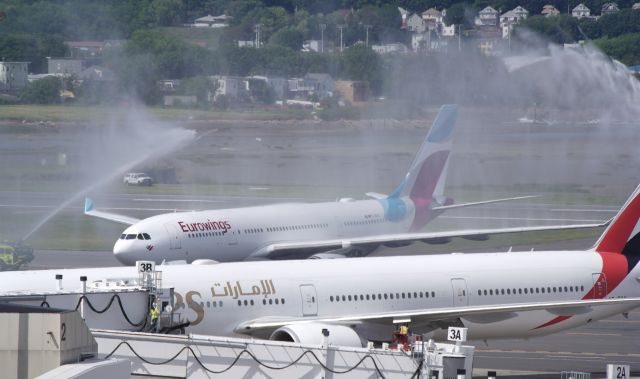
(616,371)
(145,266)
(458,334)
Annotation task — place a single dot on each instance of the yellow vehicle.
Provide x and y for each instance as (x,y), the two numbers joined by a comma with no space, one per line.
(14,255)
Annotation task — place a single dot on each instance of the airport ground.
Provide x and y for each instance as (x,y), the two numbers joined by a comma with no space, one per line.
(583,172)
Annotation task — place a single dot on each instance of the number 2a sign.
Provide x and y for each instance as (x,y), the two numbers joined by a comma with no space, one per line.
(457,334)
(615,371)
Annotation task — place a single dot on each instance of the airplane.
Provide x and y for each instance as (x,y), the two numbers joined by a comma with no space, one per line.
(494,295)
(317,230)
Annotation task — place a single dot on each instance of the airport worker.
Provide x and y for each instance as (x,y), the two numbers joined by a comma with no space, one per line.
(154,313)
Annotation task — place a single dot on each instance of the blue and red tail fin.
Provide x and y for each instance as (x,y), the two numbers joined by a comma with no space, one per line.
(427,174)
(622,236)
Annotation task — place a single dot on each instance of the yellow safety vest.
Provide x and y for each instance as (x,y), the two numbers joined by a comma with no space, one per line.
(154,314)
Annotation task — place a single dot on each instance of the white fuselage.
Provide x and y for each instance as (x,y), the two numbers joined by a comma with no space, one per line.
(217,298)
(235,234)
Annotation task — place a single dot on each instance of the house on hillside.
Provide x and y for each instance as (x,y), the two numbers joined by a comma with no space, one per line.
(487,17)
(13,76)
(511,18)
(65,66)
(390,48)
(581,11)
(416,24)
(209,21)
(549,11)
(608,8)
(85,49)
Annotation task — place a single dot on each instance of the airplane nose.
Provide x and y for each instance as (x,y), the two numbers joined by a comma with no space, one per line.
(123,254)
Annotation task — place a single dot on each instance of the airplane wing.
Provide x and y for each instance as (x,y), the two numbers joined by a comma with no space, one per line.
(308,248)
(498,311)
(444,207)
(90,211)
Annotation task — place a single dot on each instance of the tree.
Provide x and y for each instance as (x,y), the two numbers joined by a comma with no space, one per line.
(201,87)
(42,91)
(625,48)
(362,63)
(167,12)
(287,37)
(460,14)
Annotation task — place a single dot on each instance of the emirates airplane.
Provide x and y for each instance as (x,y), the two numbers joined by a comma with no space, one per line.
(317,230)
(498,295)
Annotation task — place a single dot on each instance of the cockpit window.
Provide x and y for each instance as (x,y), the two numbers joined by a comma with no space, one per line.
(146,236)
(131,236)
(140,237)
(122,236)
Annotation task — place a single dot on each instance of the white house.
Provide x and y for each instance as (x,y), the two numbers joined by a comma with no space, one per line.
(581,11)
(13,75)
(511,18)
(416,24)
(227,85)
(549,11)
(210,21)
(487,17)
(389,48)
(609,8)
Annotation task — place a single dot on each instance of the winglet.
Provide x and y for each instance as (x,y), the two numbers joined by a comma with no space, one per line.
(88,204)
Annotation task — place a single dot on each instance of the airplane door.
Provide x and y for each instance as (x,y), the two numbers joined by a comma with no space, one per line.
(599,285)
(460,293)
(309,300)
(175,241)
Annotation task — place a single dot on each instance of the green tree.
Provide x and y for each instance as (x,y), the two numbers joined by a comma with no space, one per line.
(362,63)
(199,86)
(287,37)
(42,91)
(625,48)
(558,29)
(167,12)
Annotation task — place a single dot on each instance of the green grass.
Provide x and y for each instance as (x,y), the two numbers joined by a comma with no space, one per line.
(78,113)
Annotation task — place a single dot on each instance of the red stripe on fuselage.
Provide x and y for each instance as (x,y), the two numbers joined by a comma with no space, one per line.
(614,270)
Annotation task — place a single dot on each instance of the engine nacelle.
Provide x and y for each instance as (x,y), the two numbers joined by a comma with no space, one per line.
(312,334)
(327,256)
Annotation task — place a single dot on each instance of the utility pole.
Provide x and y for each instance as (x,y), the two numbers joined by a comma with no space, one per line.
(322,28)
(256,29)
(341,26)
(459,37)
(367,27)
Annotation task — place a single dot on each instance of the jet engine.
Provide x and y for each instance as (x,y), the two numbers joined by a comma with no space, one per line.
(313,334)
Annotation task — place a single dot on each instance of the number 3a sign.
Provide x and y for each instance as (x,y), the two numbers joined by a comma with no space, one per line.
(615,371)
(457,334)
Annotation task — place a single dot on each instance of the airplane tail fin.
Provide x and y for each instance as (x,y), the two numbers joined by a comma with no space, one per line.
(88,204)
(427,174)
(622,236)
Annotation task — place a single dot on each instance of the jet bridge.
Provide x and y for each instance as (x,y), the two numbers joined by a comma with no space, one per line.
(109,303)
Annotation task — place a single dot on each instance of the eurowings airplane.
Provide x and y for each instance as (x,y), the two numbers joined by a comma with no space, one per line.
(318,230)
(498,295)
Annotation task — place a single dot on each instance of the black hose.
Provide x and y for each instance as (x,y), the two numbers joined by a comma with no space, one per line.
(245,351)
